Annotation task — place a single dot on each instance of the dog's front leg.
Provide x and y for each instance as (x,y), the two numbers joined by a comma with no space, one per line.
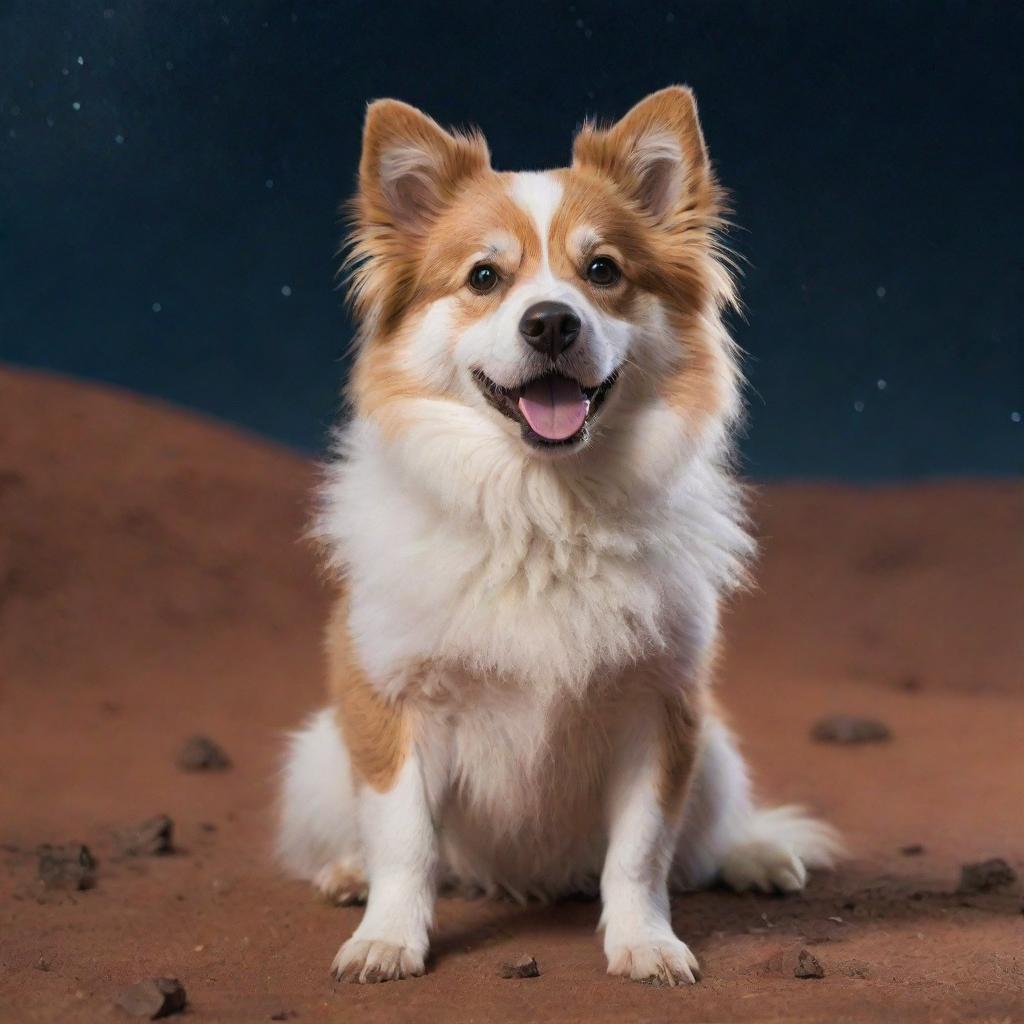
(650,774)
(400,847)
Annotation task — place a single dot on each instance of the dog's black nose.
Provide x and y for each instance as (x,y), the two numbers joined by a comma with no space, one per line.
(550,327)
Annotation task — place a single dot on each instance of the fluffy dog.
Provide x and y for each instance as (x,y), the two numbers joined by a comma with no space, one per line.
(532,522)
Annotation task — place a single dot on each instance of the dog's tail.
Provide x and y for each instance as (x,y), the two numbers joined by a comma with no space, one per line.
(776,849)
(316,816)
(727,836)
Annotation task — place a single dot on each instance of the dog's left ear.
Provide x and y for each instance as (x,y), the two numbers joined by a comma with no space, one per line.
(655,154)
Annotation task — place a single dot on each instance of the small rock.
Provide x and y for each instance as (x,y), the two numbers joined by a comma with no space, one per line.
(153,837)
(986,875)
(524,967)
(283,1015)
(808,966)
(201,754)
(70,866)
(42,964)
(913,850)
(850,729)
(153,998)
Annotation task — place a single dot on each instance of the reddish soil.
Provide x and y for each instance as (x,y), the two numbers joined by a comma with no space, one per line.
(153,585)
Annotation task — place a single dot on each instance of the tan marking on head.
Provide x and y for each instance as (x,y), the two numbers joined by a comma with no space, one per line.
(429,208)
(481,224)
(464,235)
(376,732)
(594,219)
(410,170)
(664,212)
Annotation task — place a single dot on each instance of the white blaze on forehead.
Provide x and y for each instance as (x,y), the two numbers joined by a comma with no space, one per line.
(539,194)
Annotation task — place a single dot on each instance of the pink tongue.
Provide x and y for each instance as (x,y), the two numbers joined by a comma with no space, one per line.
(554,406)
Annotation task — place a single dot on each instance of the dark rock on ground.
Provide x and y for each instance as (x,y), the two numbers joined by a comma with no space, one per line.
(986,875)
(201,754)
(850,729)
(70,866)
(524,967)
(153,998)
(808,966)
(153,837)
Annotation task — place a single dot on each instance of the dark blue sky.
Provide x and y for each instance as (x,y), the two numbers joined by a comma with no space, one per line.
(170,174)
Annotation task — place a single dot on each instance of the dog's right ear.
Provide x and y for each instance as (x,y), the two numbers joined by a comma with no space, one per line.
(411,166)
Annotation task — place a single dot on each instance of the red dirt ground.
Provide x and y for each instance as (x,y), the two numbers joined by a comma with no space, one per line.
(153,585)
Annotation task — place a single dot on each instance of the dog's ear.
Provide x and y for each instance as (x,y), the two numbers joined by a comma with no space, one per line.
(655,154)
(411,166)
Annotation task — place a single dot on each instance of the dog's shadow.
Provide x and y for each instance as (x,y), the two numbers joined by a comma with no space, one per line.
(497,920)
(834,907)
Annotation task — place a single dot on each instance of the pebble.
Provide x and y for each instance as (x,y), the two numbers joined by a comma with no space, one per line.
(846,729)
(153,998)
(808,966)
(201,754)
(524,967)
(70,866)
(153,837)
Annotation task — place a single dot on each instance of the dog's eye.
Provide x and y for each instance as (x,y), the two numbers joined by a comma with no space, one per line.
(603,271)
(483,278)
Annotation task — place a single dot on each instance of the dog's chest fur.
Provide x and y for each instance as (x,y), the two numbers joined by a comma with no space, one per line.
(524,581)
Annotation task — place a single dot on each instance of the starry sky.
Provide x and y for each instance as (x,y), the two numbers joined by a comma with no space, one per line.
(170,174)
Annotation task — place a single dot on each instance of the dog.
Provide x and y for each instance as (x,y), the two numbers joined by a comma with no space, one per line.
(532,520)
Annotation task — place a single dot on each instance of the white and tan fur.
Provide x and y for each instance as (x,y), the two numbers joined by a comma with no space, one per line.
(521,652)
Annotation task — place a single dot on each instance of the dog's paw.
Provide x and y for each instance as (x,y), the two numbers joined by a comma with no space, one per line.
(763,865)
(342,882)
(370,960)
(664,962)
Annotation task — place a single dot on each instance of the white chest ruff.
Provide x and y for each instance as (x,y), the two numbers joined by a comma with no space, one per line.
(525,583)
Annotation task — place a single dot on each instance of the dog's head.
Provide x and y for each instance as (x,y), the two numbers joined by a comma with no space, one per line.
(550,309)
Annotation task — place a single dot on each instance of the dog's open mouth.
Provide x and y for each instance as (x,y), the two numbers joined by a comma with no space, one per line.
(551,409)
